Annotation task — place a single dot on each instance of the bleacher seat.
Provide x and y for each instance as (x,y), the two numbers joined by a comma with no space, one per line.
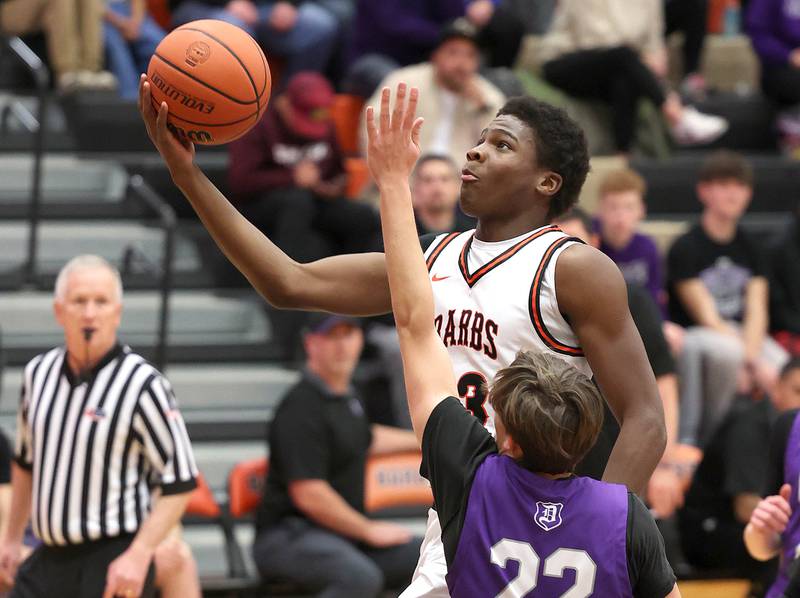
(71,187)
(135,249)
(202,326)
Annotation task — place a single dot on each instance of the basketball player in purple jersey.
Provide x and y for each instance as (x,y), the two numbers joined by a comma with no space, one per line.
(774,527)
(515,521)
(495,287)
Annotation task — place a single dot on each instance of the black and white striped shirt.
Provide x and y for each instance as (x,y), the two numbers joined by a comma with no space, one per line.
(97,447)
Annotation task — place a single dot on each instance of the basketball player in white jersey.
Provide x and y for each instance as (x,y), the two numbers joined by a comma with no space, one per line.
(494,288)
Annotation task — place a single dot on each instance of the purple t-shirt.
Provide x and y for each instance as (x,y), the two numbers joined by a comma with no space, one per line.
(790,539)
(774,28)
(640,264)
(505,527)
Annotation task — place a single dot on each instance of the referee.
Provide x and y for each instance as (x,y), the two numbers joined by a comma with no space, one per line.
(98,429)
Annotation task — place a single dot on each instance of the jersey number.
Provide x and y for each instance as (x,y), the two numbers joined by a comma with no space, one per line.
(472,389)
(554,565)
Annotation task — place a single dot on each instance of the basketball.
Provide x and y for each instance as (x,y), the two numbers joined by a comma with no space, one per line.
(214,78)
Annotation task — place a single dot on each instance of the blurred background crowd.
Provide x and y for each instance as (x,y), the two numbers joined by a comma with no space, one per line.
(692,112)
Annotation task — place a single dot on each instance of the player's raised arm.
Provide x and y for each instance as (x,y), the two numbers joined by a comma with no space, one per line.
(392,151)
(349,284)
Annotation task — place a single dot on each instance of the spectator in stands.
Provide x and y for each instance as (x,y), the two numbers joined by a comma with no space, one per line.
(311,527)
(718,290)
(729,481)
(288,178)
(666,486)
(535,15)
(393,33)
(435,189)
(74,33)
(784,291)
(301,32)
(621,209)
(500,30)
(613,50)
(454,99)
(131,36)
(774,28)
(689,17)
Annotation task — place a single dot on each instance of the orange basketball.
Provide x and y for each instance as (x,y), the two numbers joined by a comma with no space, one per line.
(214,78)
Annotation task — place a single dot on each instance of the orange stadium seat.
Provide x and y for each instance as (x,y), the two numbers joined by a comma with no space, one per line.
(246,485)
(346,113)
(394,481)
(357,177)
(202,502)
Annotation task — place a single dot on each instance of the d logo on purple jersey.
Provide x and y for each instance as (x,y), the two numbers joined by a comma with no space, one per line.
(548,515)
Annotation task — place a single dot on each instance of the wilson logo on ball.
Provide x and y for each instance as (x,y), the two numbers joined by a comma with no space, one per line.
(197,53)
(182,97)
(192,135)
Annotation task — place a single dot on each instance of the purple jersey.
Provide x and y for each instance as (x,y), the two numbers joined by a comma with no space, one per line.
(790,539)
(543,537)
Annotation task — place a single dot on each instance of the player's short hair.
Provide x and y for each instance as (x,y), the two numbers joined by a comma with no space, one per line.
(725,165)
(579,214)
(560,146)
(433,157)
(622,180)
(790,366)
(550,409)
(85,262)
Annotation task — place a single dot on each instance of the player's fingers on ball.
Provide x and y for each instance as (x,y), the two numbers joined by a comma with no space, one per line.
(384,116)
(399,106)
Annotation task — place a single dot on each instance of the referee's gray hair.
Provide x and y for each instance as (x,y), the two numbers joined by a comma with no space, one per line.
(85,262)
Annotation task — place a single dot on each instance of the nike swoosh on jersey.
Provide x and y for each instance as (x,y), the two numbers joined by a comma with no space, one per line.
(436,278)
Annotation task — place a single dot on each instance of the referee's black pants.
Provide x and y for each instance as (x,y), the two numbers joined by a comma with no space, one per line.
(73,571)
(614,75)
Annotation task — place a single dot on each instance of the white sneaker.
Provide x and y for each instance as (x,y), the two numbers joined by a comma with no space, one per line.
(97,80)
(696,128)
(68,81)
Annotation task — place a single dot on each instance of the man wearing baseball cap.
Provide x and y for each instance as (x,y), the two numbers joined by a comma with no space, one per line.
(287,177)
(311,527)
(455,101)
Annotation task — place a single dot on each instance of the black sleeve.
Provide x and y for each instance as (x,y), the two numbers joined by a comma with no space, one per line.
(298,439)
(648,569)
(680,260)
(773,478)
(454,444)
(5,460)
(747,451)
(647,319)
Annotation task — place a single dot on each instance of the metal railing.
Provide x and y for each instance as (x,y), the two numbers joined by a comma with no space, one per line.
(166,216)
(36,125)
(140,190)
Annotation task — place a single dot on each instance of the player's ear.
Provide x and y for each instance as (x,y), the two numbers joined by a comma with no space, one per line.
(511,448)
(549,183)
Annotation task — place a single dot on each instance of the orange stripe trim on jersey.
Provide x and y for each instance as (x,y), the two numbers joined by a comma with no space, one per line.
(435,254)
(535,306)
(471,279)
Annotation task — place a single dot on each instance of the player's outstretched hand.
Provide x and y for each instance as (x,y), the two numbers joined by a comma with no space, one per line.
(771,515)
(393,146)
(381,534)
(177,153)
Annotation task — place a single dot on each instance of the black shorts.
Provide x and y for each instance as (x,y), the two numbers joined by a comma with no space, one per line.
(73,571)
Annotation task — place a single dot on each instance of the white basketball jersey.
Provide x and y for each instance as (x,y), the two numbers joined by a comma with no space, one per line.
(494,299)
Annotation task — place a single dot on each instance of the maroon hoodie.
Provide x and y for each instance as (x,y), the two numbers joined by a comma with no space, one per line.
(264,158)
